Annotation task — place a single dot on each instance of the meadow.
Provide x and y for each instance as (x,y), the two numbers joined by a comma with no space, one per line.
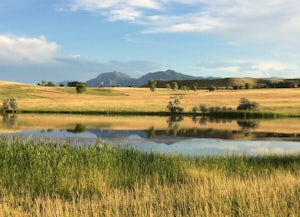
(141,100)
(40,178)
(51,178)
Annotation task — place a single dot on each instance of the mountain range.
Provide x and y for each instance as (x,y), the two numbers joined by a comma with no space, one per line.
(118,78)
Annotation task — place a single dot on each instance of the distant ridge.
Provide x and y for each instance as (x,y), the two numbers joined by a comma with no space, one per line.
(163,75)
(118,78)
(111,79)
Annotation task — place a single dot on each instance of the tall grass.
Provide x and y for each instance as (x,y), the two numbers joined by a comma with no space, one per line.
(41,178)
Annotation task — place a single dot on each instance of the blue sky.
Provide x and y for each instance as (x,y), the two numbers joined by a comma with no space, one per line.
(79,39)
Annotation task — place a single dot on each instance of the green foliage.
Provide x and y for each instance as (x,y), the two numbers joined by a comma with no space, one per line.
(9,105)
(211,88)
(168,86)
(152,84)
(174,106)
(80,88)
(203,108)
(43,83)
(51,84)
(75,83)
(58,169)
(247,86)
(195,87)
(184,88)
(174,85)
(5,105)
(245,104)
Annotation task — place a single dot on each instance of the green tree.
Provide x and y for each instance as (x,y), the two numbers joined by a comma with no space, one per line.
(168,86)
(9,104)
(247,86)
(51,84)
(211,88)
(174,86)
(75,83)
(13,103)
(245,104)
(5,105)
(203,108)
(174,106)
(43,83)
(80,88)
(195,87)
(152,84)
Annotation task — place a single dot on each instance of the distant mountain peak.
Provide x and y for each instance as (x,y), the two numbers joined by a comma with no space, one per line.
(109,79)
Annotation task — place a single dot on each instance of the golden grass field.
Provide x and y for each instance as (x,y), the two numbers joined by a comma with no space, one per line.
(208,193)
(39,98)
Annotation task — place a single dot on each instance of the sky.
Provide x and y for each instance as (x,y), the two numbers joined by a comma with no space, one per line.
(57,40)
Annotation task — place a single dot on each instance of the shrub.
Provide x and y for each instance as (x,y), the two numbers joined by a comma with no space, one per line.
(152,84)
(195,87)
(80,88)
(245,104)
(247,86)
(211,88)
(75,83)
(174,86)
(174,106)
(203,108)
(10,104)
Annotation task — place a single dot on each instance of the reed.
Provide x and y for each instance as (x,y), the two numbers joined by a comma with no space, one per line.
(42,178)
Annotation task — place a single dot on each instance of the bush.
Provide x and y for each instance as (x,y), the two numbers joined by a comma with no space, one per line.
(75,83)
(80,88)
(174,106)
(152,84)
(174,86)
(195,87)
(245,104)
(10,104)
(211,88)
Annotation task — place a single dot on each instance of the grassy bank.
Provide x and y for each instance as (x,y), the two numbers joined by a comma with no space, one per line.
(141,100)
(40,178)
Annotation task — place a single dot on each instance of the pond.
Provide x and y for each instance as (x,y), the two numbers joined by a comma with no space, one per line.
(185,135)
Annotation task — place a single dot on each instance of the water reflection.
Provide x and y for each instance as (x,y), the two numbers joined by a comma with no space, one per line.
(79,128)
(9,120)
(193,135)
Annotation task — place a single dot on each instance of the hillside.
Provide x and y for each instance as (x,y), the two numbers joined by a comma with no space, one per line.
(118,78)
(232,83)
(111,79)
(163,75)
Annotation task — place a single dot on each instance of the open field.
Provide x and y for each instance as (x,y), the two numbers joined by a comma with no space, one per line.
(65,99)
(46,179)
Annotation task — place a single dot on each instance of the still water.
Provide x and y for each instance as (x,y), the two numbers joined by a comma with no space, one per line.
(185,135)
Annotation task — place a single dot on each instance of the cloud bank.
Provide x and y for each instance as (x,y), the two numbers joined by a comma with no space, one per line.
(255,21)
(31,60)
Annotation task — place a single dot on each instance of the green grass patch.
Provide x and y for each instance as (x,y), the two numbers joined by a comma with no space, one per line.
(44,178)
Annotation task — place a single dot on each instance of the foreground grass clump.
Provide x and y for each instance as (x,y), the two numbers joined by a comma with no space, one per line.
(51,179)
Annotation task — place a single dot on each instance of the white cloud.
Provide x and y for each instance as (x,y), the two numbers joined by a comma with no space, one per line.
(34,59)
(124,14)
(249,69)
(266,22)
(22,49)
